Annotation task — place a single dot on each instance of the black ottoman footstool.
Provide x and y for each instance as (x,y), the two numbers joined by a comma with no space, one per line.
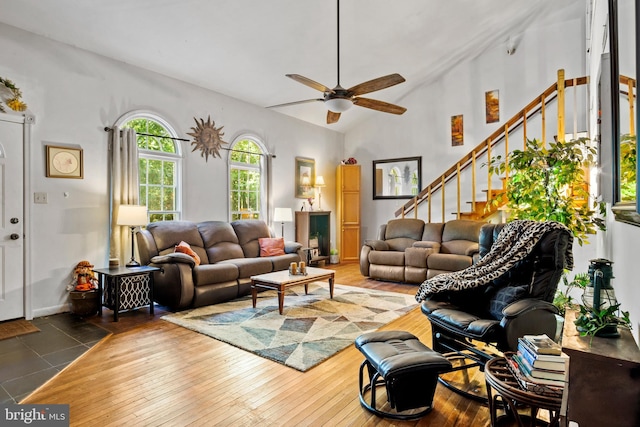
(406,367)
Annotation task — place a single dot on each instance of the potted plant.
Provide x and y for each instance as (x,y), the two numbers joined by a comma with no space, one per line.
(563,299)
(549,184)
(603,322)
(334,258)
(590,322)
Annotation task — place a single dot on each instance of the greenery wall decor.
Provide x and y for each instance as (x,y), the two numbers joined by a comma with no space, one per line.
(550,184)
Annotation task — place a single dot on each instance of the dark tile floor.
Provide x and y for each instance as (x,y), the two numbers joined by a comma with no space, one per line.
(28,361)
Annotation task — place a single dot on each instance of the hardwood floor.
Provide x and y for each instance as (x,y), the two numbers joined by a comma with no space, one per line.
(153,373)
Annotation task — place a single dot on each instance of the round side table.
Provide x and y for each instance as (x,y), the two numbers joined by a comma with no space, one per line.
(507,390)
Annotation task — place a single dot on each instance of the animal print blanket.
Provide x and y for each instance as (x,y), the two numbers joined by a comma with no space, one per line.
(516,240)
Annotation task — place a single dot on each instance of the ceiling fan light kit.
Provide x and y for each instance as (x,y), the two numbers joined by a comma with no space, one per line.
(338,105)
(339,100)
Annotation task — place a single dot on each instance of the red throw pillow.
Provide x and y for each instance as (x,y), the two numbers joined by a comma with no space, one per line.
(185,248)
(271,247)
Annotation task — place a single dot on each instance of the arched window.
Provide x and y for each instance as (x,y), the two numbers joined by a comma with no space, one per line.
(247,180)
(160,162)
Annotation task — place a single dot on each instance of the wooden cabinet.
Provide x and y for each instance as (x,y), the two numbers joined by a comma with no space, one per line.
(604,379)
(348,212)
(313,230)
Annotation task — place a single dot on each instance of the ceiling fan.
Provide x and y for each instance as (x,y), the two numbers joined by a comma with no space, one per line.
(339,99)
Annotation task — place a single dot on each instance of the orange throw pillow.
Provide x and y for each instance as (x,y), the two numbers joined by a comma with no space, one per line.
(185,248)
(271,247)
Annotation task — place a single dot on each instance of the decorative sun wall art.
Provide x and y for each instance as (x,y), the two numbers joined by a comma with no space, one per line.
(207,138)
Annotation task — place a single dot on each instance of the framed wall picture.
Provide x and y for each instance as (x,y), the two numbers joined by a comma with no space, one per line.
(64,162)
(492,106)
(305,177)
(457,130)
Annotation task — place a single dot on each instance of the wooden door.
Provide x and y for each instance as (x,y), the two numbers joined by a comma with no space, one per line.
(11,219)
(348,198)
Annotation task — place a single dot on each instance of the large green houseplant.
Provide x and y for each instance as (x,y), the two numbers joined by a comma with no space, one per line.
(548,183)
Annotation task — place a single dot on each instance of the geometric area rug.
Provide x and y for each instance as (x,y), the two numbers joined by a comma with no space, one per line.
(311,329)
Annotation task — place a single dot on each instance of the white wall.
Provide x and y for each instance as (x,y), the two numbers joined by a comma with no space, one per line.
(424,130)
(75,94)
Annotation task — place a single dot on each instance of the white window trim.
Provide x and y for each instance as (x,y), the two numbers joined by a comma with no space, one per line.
(158,155)
(264,203)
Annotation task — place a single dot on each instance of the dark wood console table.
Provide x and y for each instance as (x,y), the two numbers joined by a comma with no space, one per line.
(604,378)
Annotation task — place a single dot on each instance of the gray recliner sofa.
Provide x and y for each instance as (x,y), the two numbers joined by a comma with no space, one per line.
(410,250)
(229,254)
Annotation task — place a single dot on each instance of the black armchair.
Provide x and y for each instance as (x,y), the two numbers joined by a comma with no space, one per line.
(480,323)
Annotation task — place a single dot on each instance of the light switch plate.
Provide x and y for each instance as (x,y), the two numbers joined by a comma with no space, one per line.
(40,197)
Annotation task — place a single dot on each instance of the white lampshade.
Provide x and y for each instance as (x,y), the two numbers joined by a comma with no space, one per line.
(338,105)
(320,181)
(283,215)
(132,215)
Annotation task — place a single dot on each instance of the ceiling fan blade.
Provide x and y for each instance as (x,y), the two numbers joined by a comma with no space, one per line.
(332,117)
(376,84)
(374,104)
(295,103)
(308,82)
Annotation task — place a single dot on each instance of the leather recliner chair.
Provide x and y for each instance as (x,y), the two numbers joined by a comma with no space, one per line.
(517,303)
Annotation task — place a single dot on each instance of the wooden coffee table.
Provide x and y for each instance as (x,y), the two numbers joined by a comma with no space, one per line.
(280,280)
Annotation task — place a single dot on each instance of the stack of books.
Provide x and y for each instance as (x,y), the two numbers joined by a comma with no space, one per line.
(539,365)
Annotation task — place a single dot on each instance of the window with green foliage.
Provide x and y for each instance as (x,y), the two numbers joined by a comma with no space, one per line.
(159,166)
(627,168)
(246,186)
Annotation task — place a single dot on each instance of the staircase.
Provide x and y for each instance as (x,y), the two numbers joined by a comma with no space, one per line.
(497,144)
(466,169)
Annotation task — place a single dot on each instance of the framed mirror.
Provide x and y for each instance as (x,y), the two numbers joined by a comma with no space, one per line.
(623,47)
(397,178)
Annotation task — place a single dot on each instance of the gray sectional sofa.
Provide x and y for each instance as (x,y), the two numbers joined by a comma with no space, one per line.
(410,250)
(229,254)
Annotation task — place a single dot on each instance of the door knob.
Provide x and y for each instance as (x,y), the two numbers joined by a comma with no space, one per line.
(14,236)
(14,220)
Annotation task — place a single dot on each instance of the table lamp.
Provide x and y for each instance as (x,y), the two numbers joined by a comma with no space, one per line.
(282,215)
(319,184)
(132,216)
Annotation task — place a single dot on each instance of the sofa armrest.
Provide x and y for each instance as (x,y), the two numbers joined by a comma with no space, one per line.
(472,250)
(377,245)
(426,244)
(173,285)
(292,247)
(174,257)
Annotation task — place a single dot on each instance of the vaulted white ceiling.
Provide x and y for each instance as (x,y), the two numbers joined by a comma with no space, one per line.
(244,48)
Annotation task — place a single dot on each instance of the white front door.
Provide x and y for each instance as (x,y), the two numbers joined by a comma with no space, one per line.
(11,219)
